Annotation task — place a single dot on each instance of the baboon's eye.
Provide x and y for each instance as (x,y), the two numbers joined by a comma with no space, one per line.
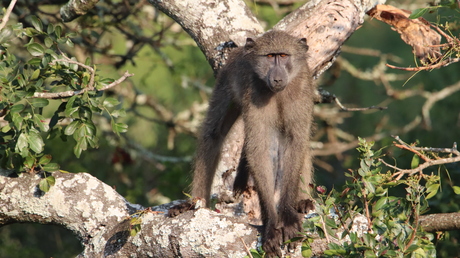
(283,55)
(270,55)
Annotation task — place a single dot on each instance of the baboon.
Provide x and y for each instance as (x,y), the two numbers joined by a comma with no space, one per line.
(269,84)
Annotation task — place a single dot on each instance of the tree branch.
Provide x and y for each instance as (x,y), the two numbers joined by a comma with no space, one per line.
(7,14)
(70,93)
(428,161)
(100,217)
(440,222)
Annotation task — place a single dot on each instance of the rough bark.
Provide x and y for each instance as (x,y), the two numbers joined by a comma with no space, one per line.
(74,8)
(440,222)
(100,218)
(212,23)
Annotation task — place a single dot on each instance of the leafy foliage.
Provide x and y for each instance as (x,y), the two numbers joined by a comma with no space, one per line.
(390,227)
(29,85)
(452,4)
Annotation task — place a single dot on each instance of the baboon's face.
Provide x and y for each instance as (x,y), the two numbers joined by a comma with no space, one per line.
(276,68)
(275,58)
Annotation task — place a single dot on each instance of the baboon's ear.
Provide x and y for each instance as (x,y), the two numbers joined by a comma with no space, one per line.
(303,41)
(249,43)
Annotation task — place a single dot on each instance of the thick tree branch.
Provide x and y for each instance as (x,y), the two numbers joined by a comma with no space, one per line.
(74,8)
(440,222)
(211,23)
(100,217)
(70,203)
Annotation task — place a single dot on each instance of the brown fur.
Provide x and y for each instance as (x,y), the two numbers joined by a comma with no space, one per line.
(276,103)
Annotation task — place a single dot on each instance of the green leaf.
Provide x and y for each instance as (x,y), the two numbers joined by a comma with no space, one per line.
(22,145)
(456,189)
(17,108)
(412,248)
(17,120)
(30,32)
(90,128)
(110,102)
(73,66)
(39,83)
(45,159)
(380,203)
(418,13)
(119,113)
(306,252)
(6,35)
(369,186)
(6,128)
(35,61)
(85,112)
(79,147)
(69,43)
(419,253)
(29,162)
(37,23)
(46,183)
(135,228)
(432,190)
(70,111)
(119,128)
(69,107)
(92,142)
(51,167)
(39,122)
(39,103)
(72,127)
(35,74)
(36,49)
(50,28)
(48,42)
(106,81)
(58,31)
(415,161)
(35,141)
(20,79)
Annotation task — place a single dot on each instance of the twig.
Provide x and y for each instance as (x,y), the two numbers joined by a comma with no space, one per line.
(246,247)
(434,97)
(428,162)
(7,14)
(443,150)
(403,145)
(323,223)
(356,109)
(70,93)
(444,63)
(423,166)
(67,59)
(366,209)
(449,38)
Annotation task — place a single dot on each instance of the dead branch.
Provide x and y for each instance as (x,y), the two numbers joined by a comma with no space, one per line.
(440,64)
(415,32)
(428,161)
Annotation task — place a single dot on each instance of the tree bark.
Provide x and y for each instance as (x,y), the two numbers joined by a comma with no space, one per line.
(440,222)
(100,218)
